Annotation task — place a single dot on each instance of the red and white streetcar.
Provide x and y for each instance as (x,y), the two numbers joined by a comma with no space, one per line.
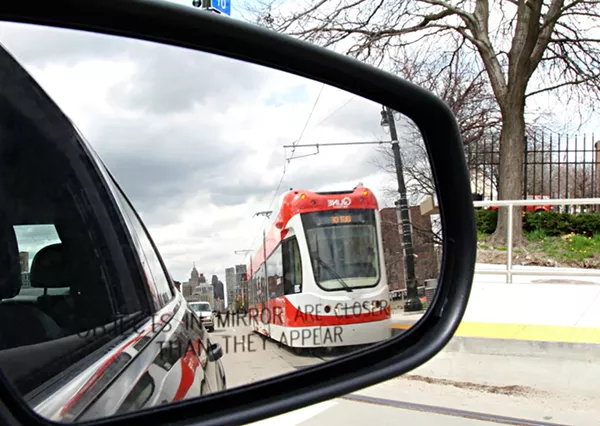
(323,283)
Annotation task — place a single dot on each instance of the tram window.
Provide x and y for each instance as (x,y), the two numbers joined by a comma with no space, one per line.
(275,270)
(261,288)
(253,292)
(292,267)
(279,273)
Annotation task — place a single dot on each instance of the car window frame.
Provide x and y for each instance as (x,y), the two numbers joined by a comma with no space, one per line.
(101,215)
(119,192)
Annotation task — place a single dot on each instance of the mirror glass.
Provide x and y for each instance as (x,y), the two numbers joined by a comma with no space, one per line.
(218,165)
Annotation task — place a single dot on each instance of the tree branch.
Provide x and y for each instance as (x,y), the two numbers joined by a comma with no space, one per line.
(557,86)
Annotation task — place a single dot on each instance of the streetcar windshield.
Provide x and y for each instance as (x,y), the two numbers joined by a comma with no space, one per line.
(343,248)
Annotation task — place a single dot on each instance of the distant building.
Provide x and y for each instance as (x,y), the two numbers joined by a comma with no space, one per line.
(426,262)
(230,284)
(218,287)
(241,296)
(201,291)
(240,270)
(186,289)
(240,290)
(219,293)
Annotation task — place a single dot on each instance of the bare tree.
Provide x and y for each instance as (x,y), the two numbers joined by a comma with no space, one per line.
(454,76)
(514,40)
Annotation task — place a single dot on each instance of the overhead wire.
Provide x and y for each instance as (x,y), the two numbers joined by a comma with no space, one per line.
(303,129)
(294,144)
(336,111)
(286,161)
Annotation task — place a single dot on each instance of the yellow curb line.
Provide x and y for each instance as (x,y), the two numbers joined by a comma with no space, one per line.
(543,333)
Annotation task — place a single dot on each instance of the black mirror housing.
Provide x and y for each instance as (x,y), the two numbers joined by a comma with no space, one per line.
(168,23)
(215,352)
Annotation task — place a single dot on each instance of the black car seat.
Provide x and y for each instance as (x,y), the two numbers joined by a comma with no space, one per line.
(49,270)
(20,324)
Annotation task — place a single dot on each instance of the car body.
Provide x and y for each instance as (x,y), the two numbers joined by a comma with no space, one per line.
(102,329)
(205,314)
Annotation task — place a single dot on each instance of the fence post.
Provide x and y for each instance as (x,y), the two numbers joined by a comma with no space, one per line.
(526,168)
(596,193)
(509,237)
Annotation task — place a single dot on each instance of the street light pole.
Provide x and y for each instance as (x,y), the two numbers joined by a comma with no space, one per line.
(413,303)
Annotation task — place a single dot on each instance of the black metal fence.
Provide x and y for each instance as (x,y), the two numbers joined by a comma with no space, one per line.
(555,166)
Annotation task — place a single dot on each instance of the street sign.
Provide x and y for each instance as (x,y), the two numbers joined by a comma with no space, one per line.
(223,6)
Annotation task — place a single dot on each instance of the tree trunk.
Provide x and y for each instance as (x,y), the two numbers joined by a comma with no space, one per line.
(512,143)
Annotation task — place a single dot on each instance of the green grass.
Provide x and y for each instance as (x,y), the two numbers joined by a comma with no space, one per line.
(566,248)
(481,236)
(571,247)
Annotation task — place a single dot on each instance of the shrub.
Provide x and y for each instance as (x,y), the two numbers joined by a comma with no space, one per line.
(548,223)
(556,223)
(486,220)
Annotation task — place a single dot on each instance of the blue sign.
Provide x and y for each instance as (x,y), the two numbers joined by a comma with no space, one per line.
(223,6)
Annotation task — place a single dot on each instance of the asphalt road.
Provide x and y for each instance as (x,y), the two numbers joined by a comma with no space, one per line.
(406,400)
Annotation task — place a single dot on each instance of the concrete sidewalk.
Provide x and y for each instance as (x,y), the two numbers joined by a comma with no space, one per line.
(530,388)
(538,380)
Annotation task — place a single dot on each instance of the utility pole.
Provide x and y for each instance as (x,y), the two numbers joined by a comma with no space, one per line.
(413,303)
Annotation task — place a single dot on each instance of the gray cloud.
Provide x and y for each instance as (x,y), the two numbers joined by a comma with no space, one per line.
(170,80)
(41,46)
(161,164)
(354,166)
(167,80)
(238,191)
(363,117)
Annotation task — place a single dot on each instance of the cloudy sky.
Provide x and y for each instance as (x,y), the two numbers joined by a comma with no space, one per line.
(197,140)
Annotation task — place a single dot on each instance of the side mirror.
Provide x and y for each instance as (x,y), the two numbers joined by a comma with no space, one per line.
(381,355)
(215,352)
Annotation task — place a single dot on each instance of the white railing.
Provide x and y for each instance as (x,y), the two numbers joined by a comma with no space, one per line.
(509,271)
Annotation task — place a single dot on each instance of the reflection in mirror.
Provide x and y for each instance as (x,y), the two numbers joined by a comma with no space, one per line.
(299,222)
